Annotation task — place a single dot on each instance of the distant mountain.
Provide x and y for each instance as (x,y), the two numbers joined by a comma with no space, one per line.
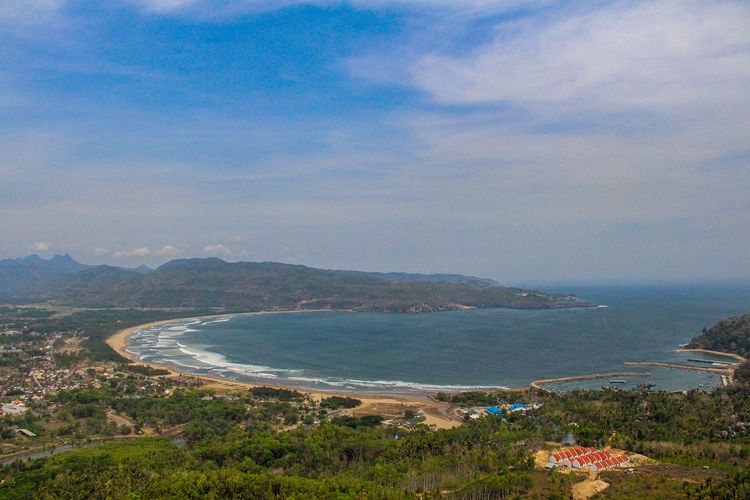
(450,278)
(729,335)
(272,285)
(21,275)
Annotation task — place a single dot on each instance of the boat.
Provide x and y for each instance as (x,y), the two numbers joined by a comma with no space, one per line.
(617,381)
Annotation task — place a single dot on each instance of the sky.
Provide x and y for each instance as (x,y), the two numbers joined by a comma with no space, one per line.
(523,140)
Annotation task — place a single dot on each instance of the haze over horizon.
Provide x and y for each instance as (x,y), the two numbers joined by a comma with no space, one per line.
(522,140)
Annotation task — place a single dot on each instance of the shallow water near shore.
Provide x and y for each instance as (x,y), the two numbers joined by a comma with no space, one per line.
(454,350)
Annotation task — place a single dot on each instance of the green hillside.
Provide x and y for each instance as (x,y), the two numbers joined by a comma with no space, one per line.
(271,285)
(730,335)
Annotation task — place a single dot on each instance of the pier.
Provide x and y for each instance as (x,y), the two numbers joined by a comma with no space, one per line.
(721,371)
(537,384)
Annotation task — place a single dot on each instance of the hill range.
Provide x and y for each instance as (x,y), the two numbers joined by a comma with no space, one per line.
(251,286)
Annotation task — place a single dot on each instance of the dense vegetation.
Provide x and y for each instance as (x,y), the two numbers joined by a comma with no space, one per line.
(251,286)
(235,450)
(729,335)
(336,402)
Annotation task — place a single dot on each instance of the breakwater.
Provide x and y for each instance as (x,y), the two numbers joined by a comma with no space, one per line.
(537,384)
(724,371)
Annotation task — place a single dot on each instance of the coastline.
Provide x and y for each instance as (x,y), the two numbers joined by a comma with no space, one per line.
(437,413)
(715,353)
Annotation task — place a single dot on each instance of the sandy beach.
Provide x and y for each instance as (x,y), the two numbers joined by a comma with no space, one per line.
(389,405)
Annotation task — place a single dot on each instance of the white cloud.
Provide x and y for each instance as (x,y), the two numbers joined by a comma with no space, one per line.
(164,5)
(42,9)
(622,55)
(217,250)
(135,252)
(41,246)
(561,135)
(221,8)
(99,252)
(170,251)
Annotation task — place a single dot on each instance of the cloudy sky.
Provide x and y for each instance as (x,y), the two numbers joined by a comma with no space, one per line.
(524,140)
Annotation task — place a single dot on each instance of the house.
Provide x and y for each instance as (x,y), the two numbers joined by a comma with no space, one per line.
(14,408)
(608,463)
(26,432)
(517,407)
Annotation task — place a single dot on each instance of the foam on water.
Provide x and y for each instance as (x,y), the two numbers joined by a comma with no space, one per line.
(160,345)
(219,361)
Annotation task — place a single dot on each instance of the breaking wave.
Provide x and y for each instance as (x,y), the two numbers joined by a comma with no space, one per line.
(160,345)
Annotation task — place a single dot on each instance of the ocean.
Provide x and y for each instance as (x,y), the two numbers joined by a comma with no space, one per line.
(455,350)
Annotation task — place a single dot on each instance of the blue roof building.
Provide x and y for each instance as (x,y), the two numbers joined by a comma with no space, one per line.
(494,410)
(517,407)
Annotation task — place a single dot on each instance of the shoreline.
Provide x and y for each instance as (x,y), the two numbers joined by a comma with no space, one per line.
(715,353)
(437,413)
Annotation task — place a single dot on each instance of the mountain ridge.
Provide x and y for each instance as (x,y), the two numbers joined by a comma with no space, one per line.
(214,282)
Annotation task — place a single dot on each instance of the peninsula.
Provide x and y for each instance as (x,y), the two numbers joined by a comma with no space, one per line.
(266,286)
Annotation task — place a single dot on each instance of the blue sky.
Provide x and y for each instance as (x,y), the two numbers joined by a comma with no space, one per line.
(522,140)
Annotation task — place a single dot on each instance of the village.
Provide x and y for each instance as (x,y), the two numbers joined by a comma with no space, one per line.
(37,368)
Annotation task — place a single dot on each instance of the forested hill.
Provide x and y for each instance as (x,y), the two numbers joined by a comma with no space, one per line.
(22,275)
(268,285)
(730,335)
(19,276)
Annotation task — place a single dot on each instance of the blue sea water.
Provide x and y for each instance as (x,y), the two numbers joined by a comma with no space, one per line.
(457,349)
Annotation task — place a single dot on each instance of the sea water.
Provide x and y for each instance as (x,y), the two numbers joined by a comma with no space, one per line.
(388,352)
